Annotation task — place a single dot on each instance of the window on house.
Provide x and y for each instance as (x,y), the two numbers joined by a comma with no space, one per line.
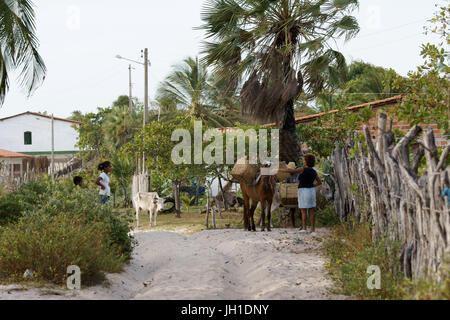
(27,138)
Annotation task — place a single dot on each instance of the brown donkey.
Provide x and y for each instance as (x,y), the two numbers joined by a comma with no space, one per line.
(263,191)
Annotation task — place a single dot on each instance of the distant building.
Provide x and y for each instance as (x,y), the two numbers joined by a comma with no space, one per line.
(30,133)
(11,163)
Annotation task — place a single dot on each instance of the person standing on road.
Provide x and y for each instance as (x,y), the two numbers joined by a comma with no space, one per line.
(308,181)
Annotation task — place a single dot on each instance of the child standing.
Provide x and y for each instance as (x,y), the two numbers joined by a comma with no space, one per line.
(308,181)
(104,182)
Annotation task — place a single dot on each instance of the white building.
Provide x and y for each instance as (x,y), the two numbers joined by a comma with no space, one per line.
(30,133)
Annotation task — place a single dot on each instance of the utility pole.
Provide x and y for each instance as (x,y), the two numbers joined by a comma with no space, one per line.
(144,156)
(130,98)
(146,87)
(53,148)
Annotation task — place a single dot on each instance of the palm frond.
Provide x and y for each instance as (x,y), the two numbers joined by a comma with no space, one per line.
(18,46)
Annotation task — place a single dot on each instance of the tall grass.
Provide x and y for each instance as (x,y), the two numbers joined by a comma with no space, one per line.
(351,251)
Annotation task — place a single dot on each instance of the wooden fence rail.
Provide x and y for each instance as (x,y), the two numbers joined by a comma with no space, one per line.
(381,183)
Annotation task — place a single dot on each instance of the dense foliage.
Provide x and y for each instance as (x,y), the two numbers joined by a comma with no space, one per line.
(73,221)
(322,135)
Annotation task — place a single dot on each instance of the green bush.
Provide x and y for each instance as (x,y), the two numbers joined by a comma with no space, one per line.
(43,204)
(10,210)
(27,197)
(47,245)
(71,201)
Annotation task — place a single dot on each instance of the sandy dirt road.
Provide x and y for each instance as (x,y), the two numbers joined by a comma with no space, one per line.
(216,264)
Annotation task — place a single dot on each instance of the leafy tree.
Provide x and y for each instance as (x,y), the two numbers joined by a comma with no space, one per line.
(280,48)
(91,138)
(120,126)
(428,100)
(19,46)
(121,101)
(104,132)
(155,140)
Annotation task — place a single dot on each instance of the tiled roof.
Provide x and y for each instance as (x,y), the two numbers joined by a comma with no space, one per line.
(11,154)
(374,104)
(42,115)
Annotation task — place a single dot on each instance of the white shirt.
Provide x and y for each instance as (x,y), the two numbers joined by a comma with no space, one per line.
(105,182)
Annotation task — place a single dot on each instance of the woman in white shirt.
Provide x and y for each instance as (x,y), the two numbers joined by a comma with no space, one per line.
(104,182)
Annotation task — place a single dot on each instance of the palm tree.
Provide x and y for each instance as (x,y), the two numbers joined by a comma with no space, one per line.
(369,83)
(363,82)
(121,126)
(280,48)
(18,46)
(189,91)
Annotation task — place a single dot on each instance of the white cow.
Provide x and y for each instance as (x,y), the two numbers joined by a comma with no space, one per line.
(148,201)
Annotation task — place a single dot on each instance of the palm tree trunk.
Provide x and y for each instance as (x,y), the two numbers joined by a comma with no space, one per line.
(290,145)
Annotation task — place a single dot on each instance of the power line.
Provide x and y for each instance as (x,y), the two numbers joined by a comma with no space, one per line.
(393,28)
(389,42)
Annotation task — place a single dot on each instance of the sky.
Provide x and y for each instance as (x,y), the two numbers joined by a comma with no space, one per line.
(79,41)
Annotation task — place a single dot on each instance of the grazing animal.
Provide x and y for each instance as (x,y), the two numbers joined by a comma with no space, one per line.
(228,197)
(148,201)
(262,191)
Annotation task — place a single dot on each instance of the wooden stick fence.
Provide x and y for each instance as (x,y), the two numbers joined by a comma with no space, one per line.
(381,183)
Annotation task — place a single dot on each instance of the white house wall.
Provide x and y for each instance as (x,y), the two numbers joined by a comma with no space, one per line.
(12,134)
